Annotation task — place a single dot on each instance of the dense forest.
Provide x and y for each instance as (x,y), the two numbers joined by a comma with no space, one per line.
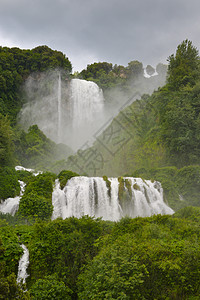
(155,137)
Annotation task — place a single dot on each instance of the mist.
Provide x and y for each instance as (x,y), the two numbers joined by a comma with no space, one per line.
(67,111)
(74,112)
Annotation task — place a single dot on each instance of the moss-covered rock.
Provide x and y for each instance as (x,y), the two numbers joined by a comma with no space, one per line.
(121,189)
(64,176)
(136,187)
(128,186)
(108,184)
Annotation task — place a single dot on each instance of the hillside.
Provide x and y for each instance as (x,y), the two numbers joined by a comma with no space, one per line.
(155,136)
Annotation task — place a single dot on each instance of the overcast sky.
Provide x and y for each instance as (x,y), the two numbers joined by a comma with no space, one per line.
(87,31)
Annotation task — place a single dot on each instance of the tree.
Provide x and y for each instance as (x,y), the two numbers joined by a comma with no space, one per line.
(115,273)
(183,68)
(6,145)
(50,288)
(11,290)
(94,70)
(9,185)
(16,65)
(135,69)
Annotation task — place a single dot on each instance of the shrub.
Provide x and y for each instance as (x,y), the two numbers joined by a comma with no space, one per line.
(9,185)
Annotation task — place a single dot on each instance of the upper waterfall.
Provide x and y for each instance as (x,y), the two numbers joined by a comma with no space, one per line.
(86,102)
(110,200)
(86,106)
(67,112)
(59,108)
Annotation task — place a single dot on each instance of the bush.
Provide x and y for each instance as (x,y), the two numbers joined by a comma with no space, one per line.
(188,183)
(37,199)
(50,288)
(42,184)
(34,206)
(9,185)
(24,176)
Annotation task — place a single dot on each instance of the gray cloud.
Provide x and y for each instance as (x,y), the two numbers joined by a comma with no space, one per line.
(116,31)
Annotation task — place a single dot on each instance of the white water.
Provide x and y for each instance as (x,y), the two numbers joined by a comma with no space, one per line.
(23,265)
(86,102)
(85,113)
(146,75)
(69,114)
(11,205)
(148,199)
(59,109)
(89,196)
(35,173)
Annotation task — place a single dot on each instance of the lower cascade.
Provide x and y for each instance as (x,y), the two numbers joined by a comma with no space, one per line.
(23,265)
(109,198)
(11,205)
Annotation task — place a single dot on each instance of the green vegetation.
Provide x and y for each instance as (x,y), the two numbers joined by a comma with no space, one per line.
(16,65)
(149,258)
(142,258)
(108,76)
(108,184)
(36,201)
(64,176)
(34,150)
(11,248)
(181,186)
(9,185)
(10,252)
(50,288)
(6,145)
(10,289)
(63,247)
(155,138)
(183,68)
(16,146)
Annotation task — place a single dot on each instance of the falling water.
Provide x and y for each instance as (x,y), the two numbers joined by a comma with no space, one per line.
(35,173)
(86,102)
(59,108)
(91,196)
(67,112)
(86,112)
(23,265)
(11,205)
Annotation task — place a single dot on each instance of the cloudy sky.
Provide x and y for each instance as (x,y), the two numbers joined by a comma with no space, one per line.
(88,31)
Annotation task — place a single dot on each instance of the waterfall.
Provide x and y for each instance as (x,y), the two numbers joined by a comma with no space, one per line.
(11,205)
(67,112)
(83,114)
(35,173)
(23,265)
(91,196)
(86,102)
(59,108)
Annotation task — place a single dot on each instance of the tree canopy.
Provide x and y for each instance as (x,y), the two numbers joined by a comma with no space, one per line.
(183,69)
